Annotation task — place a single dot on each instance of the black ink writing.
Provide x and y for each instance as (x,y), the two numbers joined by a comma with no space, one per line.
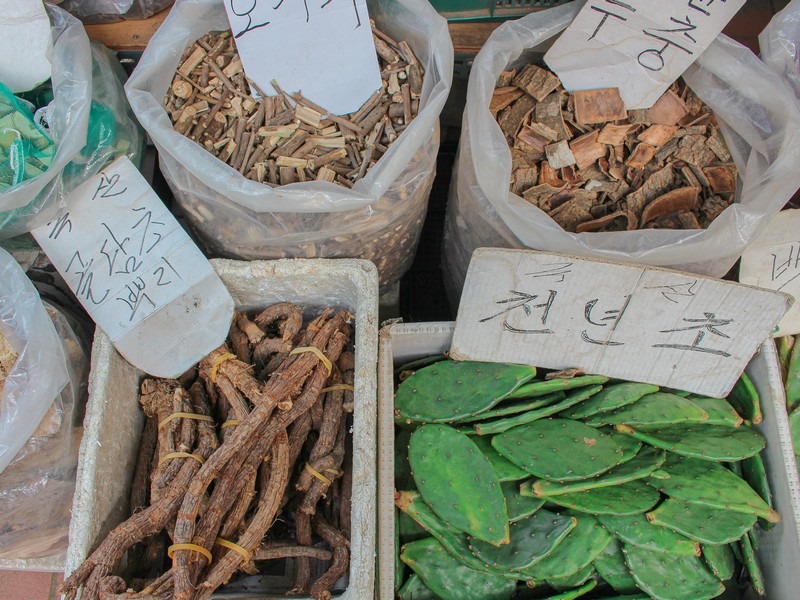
(85,285)
(789,267)
(245,8)
(136,297)
(524,301)
(107,186)
(614,316)
(557,270)
(709,324)
(61,223)
(671,292)
(609,12)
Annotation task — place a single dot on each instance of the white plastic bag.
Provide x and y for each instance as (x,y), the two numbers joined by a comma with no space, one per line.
(780,44)
(758,117)
(379,219)
(40,372)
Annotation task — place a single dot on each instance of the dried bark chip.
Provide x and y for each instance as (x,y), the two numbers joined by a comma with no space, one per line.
(544,131)
(657,184)
(622,191)
(687,220)
(522,179)
(693,150)
(657,135)
(642,154)
(638,116)
(505,78)
(540,195)
(595,185)
(691,130)
(559,155)
(692,179)
(711,208)
(602,222)
(532,138)
(667,150)
(668,110)
(674,201)
(503,97)
(548,113)
(536,81)
(721,179)
(599,106)
(718,146)
(574,210)
(513,116)
(548,175)
(586,149)
(524,155)
(613,135)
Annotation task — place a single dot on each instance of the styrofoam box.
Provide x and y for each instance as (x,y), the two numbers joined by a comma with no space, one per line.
(779,551)
(114,419)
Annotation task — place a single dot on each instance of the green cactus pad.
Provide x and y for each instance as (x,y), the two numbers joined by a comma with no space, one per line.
(794,428)
(532,539)
(702,523)
(501,425)
(625,499)
(711,484)
(450,389)
(744,398)
(681,393)
(458,482)
(519,506)
(755,474)
(706,442)
(503,468)
(448,578)
(559,449)
(581,546)
(541,388)
(402,470)
(576,593)
(720,411)
(611,566)
(406,369)
(659,408)
(611,398)
(410,530)
(720,560)
(637,530)
(414,589)
(671,577)
(645,462)
(752,566)
(399,567)
(513,408)
(569,582)
(793,378)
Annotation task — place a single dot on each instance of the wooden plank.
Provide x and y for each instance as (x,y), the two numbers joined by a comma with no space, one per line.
(127,35)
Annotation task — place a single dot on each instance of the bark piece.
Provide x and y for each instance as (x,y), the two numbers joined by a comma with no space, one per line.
(522,179)
(693,150)
(613,134)
(538,82)
(512,117)
(503,97)
(587,149)
(549,175)
(657,135)
(548,113)
(540,195)
(601,223)
(669,109)
(599,106)
(721,179)
(657,184)
(574,210)
(679,200)
(642,154)
(718,146)
(559,155)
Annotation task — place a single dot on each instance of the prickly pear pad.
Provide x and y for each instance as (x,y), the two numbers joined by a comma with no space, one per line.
(458,482)
(706,442)
(611,398)
(671,577)
(637,530)
(625,499)
(702,523)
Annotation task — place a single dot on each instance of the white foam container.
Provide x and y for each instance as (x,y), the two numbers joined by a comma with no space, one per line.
(114,420)
(779,550)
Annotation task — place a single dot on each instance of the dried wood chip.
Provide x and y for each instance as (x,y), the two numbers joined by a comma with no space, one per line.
(602,222)
(512,117)
(522,179)
(548,175)
(668,110)
(687,220)
(575,210)
(642,154)
(657,184)
(718,146)
(657,135)
(586,149)
(613,134)
(536,81)
(559,155)
(693,150)
(540,195)
(599,106)
(679,200)
(721,179)
(548,113)
(503,97)
(533,139)
(505,78)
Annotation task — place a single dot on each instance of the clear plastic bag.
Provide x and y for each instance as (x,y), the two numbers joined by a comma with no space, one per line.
(759,120)
(379,219)
(780,44)
(109,11)
(89,120)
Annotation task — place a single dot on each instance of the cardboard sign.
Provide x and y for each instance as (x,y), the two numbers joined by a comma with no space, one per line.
(772,261)
(25,31)
(137,273)
(637,323)
(638,46)
(322,48)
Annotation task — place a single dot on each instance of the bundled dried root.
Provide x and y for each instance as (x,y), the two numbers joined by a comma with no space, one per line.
(250,449)
(592,165)
(286,138)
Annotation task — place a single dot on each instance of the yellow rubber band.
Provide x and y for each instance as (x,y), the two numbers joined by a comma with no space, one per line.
(229,423)
(185,415)
(319,354)
(192,547)
(217,362)
(338,386)
(317,474)
(333,472)
(172,455)
(236,548)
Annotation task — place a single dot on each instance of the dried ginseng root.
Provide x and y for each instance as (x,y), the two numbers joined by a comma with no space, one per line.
(593,165)
(242,462)
(287,138)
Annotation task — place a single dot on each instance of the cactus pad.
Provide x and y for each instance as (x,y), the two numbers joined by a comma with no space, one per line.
(458,482)
(659,408)
(671,577)
(744,398)
(559,449)
(720,560)
(794,428)
(503,468)
(414,589)
(450,389)
(637,530)
(611,398)
(645,462)
(576,593)
(513,408)
(720,411)
(625,499)
(541,388)
(569,582)
(702,523)
(793,379)
(532,539)
(707,442)
(611,566)
(755,474)
(519,506)
(448,578)
(711,484)
(752,566)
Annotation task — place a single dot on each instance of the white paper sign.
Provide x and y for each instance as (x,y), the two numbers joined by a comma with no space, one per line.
(322,48)
(638,46)
(773,261)
(25,31)
(137,273)
(632,322)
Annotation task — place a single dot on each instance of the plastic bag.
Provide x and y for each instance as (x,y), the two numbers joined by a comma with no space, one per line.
(759,120)
(90,121)
(779,44)
(36,488)
(379,219)
(108,11)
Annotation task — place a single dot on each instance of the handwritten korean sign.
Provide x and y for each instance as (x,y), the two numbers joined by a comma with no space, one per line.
(137,273)
(772,261)
(637,46)
(323,48)
(632,322)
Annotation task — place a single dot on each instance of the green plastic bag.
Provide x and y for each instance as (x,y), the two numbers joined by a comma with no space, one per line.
(26,150)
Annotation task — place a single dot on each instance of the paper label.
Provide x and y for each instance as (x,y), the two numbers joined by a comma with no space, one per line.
(772,261)
(636,323)
(638,46)
(137,273)
(25,31)
(322,48)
